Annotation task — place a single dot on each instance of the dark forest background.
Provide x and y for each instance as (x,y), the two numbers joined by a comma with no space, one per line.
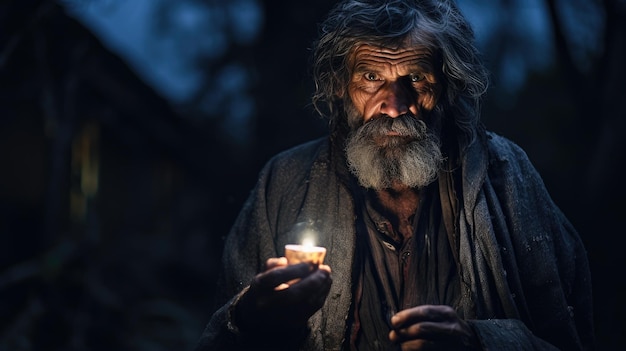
(114,200)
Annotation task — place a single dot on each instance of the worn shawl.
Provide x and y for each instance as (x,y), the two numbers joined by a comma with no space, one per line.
(524,272)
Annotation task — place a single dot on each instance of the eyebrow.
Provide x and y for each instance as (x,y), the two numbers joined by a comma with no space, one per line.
(421,66)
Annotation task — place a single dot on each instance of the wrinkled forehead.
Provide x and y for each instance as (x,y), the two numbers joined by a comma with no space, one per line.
(419,43)
(368,55)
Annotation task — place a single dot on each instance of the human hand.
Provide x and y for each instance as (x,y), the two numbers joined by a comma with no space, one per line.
(283,296)
(431,327)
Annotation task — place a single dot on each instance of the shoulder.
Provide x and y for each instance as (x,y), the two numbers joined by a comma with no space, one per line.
(292,167)
(299,159)
(511,170)
(503,149)
(302,154)
(508,158)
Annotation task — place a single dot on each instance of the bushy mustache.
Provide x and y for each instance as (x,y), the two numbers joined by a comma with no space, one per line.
(405,125)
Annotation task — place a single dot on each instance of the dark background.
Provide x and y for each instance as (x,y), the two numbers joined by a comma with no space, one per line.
(114,200)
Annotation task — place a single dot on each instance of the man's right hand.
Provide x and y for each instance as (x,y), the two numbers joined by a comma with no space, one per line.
(269,304)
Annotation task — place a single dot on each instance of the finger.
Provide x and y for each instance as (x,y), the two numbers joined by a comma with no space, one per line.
(315,281)
(410,344)
(311,290)
(435,313)
(276,276)
(325,268)
(418,344)
(275,262)
(421,330)
(434,331)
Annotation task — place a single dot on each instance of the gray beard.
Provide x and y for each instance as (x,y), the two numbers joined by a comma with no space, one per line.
(379,161)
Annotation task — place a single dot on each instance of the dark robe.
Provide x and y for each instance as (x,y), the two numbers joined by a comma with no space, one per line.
(524,275)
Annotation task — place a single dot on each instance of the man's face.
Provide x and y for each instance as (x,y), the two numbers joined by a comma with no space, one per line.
(392,82)
(391,112)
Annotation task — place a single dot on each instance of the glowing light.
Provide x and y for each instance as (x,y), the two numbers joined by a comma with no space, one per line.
(308,242)
(307,251)
(308,237)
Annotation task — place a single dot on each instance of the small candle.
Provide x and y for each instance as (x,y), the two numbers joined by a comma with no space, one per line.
(304,253)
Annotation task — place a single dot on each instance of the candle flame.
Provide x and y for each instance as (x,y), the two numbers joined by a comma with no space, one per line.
(308,242)
(306,233)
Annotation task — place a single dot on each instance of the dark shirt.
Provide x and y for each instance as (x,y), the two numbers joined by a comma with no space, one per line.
(398,273)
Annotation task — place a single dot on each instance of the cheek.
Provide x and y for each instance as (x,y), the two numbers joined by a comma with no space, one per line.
(428,97)
(427,102)
(359,100)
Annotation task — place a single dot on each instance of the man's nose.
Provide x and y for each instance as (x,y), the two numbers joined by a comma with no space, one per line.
(396,101)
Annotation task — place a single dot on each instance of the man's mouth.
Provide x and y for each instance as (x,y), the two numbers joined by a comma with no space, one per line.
(392,138)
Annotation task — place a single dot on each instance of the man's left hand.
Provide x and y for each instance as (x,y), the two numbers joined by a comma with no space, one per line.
(431,327)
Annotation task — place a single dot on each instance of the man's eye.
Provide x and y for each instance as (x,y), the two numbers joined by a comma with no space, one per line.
(371,76)
(415,77)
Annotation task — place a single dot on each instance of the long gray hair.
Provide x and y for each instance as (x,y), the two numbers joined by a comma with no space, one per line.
(437,24)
